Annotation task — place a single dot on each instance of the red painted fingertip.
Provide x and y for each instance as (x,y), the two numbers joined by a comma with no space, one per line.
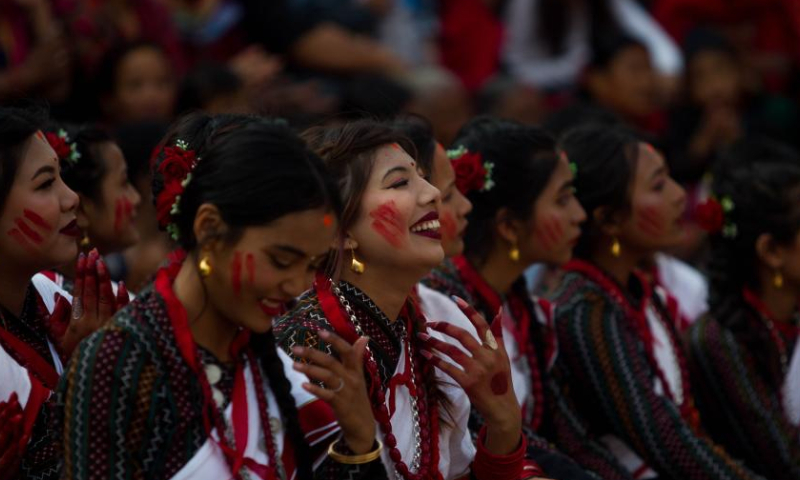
(423,336)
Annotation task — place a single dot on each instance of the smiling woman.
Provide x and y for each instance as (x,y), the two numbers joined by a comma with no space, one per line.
(254,214)
(390,226)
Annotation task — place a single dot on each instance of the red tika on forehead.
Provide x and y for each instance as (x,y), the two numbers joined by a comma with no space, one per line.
(388,222)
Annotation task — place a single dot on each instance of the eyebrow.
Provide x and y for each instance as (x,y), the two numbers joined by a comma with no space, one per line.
(567,185)
(395,169)
(662,170)
(43,170)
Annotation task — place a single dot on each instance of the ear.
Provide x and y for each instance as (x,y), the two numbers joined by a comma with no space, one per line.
(609,223)
(209,228)
(769,252)
(84,211)
(507,226)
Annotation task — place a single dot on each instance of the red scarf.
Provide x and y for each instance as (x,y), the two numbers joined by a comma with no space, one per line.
(637,315)
(212,416)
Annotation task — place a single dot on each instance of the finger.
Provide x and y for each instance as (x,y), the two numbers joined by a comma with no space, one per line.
(464,337)
(339,345)
(319,374)
(476,318)
(122,295)
(322,359)
(451,351)
(319,392)
(357,356)
(451,370)
(497,326)
(59,319)
(90,287)
(80,271)
(105,304)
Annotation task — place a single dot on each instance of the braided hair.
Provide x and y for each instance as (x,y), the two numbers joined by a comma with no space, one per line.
(254,171)
(524,159)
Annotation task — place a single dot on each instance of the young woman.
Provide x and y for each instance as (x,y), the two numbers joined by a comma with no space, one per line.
(744,353)
(507,233)
(192,361)
(620,364)
(391,239)
(93,166)
(38,330)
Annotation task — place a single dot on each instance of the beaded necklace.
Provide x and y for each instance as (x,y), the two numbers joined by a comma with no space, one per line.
(425,412)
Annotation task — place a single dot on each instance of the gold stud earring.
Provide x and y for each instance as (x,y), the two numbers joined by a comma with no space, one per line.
(616,248)
(355,265)
(513,254)
(204,267)
(85,242)
(777,280)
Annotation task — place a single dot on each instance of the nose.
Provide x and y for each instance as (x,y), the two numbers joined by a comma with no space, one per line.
(429,194)
(294,286)
(135,197)
(69,200)
(580,213)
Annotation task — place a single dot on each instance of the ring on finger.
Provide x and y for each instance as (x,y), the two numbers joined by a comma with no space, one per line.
(77,308)
(489,341)
(339,387)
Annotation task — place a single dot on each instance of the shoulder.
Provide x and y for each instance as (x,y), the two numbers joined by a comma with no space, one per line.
(577,292)
(301,325)
(708,337)
(446,279)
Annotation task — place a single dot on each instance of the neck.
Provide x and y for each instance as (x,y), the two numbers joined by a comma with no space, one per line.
(781,302)
(499,271)
(389,288)
(13,286)
(209,329)
(620,268)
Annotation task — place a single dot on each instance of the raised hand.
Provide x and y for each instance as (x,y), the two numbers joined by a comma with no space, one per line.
(345,387)
(12,441)
(484,374)
(93,301)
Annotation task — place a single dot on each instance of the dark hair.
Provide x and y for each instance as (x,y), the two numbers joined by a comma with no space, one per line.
(137,141)
(762,179)
(85,175)
(555,17)
(205,83)
(106,80)
(605,158)
(606,49)
(420,131)
(349,150)
(524,159)
(17,125)
(702,40)
(254,170)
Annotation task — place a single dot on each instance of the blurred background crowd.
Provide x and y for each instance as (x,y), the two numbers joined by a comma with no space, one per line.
(694,76)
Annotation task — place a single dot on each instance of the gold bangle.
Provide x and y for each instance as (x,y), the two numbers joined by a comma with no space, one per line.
(354,459)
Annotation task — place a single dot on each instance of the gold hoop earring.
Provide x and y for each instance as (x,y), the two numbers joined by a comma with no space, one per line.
(204,267)
(355,265)
(616,248)
(777,280)
(513,254)
(85,242)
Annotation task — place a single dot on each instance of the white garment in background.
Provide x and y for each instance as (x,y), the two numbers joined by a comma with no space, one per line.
(531,63)
(686,284)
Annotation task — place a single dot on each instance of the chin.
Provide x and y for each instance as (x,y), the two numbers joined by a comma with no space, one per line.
(261,326)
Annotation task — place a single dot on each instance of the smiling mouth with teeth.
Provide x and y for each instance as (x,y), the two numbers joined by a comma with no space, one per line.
(428,229)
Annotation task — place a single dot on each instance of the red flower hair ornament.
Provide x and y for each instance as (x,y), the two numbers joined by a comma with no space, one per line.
(176,169)
(472,173)
(711,216)
(65,150)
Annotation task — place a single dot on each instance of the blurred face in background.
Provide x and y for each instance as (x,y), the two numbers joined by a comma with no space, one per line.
(627,84)
(144,87)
